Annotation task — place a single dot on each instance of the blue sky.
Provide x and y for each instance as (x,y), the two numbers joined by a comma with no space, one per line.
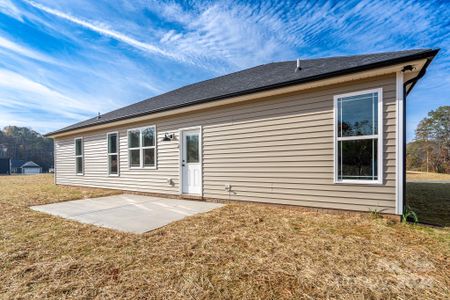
(64,61)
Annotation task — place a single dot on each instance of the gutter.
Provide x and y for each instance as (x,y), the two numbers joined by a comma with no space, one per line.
(413,82)
(420,55)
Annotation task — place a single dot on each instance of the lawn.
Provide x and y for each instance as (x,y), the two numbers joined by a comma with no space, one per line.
(238,251)
(428,195)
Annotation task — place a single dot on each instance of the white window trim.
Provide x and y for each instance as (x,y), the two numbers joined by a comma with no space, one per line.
(141,148)
(109,154)
(379,136)
(76,156)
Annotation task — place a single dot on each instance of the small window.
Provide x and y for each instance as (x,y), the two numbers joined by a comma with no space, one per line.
(79,156)
(192,144)
(113,153)
(142,147)
(358,141)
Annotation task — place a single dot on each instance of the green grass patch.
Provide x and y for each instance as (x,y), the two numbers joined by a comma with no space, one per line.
(430,201)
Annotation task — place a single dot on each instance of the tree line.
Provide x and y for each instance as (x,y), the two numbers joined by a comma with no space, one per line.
(26,144)
(430,150)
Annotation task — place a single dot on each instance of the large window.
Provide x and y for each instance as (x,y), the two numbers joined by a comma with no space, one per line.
(142,147)
(79,156)
(358,137)
(113,154)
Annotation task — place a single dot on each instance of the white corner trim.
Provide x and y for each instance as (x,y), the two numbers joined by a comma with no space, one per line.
(399,145)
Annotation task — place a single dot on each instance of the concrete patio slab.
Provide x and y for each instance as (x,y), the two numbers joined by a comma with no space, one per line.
(127,212)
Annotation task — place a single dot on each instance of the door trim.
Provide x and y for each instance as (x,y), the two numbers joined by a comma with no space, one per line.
(180,157)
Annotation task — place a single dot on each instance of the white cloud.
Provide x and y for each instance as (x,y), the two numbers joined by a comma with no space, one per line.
(224,36)
(16,89)
(103,30)
(170,36)
(40,123)
(8,8)
(95,80)
(24,51)
(244,33)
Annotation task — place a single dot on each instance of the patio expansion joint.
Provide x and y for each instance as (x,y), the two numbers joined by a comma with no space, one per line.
(105,209)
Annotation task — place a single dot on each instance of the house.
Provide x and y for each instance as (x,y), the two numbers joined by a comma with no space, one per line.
(5,166)
(16,165)
(30,167)
(323,133)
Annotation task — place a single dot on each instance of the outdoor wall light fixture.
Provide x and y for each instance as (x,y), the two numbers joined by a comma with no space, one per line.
(168,137)
(408,68)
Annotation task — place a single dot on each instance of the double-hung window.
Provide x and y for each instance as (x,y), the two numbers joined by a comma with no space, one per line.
(113,153)
(79,145)
(358,137)
(142,147)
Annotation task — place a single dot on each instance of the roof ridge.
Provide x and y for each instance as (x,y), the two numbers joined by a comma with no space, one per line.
(209,79)
(358,55)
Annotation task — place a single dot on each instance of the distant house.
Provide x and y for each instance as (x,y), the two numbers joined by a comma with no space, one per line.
(5,166)
(31,168)
(16,165)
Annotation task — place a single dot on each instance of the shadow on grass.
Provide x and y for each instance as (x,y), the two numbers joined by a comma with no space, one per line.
(430,201)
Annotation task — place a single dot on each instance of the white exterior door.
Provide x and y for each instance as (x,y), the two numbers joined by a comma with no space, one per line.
(191,158)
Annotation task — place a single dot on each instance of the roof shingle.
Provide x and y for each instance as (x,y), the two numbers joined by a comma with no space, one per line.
(254,79)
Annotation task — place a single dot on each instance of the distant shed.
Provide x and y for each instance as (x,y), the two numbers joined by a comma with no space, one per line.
(31,167)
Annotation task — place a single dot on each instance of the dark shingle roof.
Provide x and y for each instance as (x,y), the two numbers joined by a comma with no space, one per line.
(259,78)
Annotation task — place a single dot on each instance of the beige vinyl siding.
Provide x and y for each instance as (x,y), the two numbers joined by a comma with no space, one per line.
(278,150)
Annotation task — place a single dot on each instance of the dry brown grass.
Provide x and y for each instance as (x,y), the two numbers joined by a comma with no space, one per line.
(424,176)
(239,251)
